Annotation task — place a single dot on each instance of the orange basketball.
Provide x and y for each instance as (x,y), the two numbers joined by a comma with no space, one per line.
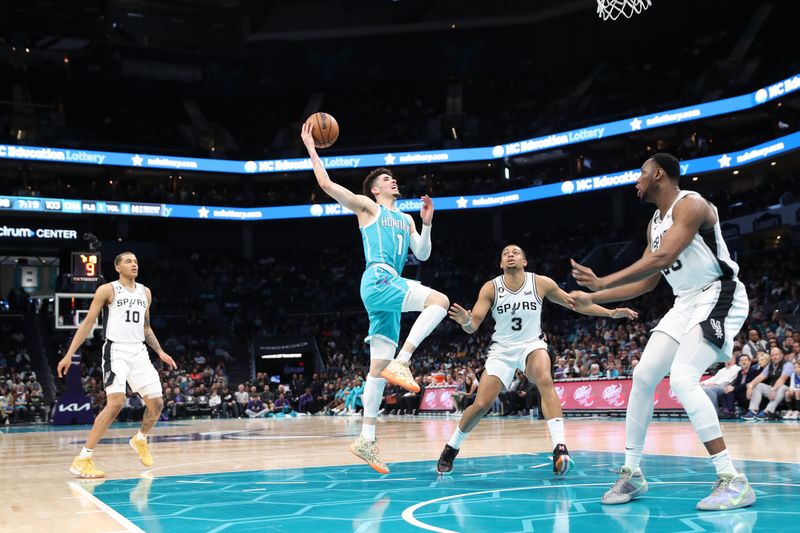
(325,129)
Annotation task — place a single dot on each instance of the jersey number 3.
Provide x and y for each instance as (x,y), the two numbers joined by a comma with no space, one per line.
(516,323)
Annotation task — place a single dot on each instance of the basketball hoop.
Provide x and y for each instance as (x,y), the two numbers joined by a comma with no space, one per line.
(613,9)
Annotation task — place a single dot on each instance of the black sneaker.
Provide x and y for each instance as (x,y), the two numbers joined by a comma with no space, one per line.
(561,460)
(445,464)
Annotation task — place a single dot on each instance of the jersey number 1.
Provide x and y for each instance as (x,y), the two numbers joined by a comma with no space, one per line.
(132,316)
(400,249)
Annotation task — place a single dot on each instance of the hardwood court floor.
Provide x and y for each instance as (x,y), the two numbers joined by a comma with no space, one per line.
(297,473)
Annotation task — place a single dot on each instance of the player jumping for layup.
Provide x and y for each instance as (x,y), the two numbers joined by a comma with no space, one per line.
(516,299)
(387,234)
(685,245)
(126,327)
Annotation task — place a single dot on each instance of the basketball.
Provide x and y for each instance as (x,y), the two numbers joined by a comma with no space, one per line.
(325,129)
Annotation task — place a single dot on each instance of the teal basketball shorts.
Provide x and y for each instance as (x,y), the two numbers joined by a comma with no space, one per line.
(383,292)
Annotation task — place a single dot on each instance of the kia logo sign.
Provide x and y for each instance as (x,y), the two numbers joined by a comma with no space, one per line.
(74,408)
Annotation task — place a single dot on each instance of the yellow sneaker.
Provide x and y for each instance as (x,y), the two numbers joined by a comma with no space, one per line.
(142,450)
(84,468)
(399,373)
(368,451)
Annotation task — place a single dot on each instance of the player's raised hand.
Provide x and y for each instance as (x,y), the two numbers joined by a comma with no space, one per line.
(624,312)
(63,366)
(305,134)
(164,356)
(459,314)
(426,211)
(585,276)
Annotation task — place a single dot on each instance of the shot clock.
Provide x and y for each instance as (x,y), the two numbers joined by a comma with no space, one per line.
(85,267)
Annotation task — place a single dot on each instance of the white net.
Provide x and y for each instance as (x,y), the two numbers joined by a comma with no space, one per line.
(614,9)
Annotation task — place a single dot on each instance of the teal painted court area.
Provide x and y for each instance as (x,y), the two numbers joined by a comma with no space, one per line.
(515,493)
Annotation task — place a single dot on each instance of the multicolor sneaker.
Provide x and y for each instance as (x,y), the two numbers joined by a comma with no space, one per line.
(749,415)
(84,468)
(399,373)
(762,415)
(631,483)
(445,463)
(369,452)
(142,450)
(729,492)
(561,460)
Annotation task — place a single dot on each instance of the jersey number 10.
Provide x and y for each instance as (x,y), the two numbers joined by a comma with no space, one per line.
(132,316)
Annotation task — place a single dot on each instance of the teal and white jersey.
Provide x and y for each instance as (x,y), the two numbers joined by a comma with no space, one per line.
(386,239)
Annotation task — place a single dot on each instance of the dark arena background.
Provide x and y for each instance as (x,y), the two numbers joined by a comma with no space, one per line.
(172,130)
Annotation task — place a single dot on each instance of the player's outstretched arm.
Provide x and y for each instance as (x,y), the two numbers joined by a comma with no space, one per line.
(688,215)
(470,321)
(420,243)
(622,293)
(102,296)
(150,336)
(357,203)
(554,293)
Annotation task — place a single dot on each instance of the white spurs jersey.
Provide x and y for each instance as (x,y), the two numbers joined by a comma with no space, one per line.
(124,316)
(705,260)
(517,315)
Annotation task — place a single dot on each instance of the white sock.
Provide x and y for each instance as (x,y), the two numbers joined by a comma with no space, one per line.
(633,456)
(457,438)
(427,320)
(403,356)
(368,432)
(723,464)
(86,453)
(140,435)
(556,428)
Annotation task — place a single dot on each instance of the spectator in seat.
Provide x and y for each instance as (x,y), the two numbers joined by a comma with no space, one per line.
(37,407)
(465,398)
(793,394)
(215,402)
(306,402)
(281,404)
(354,399)
(770,383)
(242,398)
(715,386)
(255,407)
(21,413)
(736,392)
(754,343)
(6,407)
(230,407)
